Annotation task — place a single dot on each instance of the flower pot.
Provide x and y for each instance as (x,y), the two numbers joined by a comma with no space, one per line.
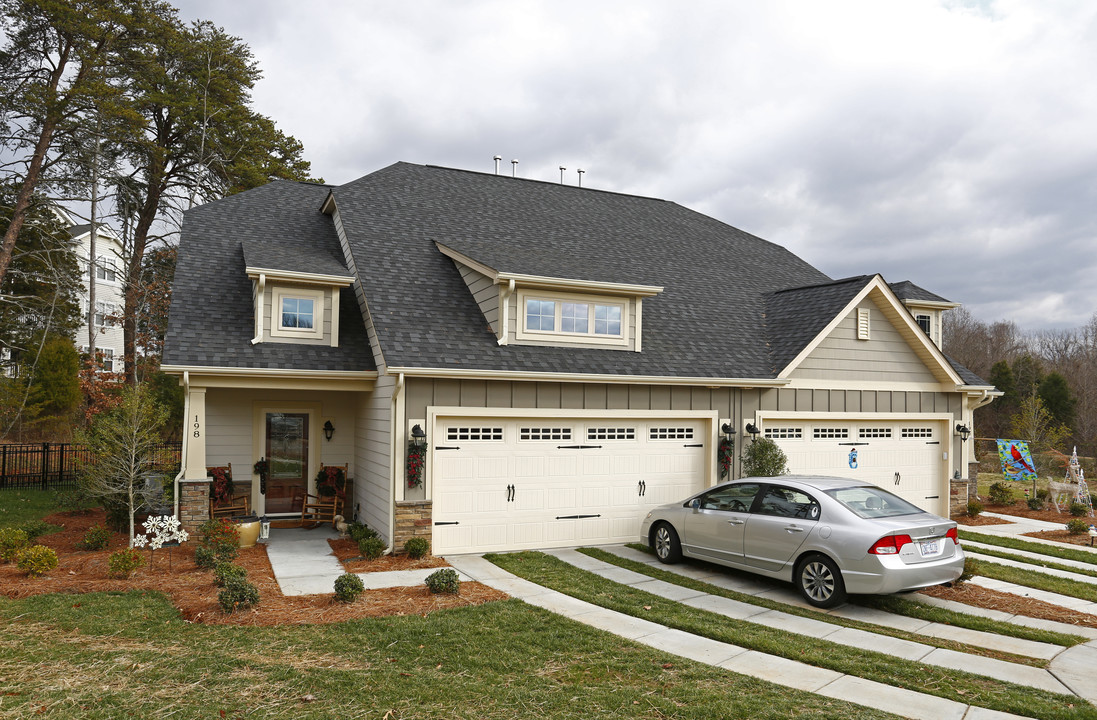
(249,533)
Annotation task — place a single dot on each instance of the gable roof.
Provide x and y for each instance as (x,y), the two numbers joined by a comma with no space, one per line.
(211,317)
(797,316)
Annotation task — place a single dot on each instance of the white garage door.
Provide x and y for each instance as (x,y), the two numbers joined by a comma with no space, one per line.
(906,457)
(512,484)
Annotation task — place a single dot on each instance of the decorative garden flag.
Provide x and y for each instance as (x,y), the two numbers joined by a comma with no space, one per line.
(1016,460)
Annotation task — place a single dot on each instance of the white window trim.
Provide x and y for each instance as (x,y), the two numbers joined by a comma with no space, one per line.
(319,313)
(570,337)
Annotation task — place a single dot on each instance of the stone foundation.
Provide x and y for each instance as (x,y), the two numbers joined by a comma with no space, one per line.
(958,497)
(193,503)
(413,519)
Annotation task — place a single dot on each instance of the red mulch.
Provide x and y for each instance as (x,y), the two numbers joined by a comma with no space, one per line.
(194,591)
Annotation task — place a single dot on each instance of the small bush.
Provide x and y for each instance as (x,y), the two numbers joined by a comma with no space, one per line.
(1035,504)
(971,568)
(238,595)
(359,531)
(348,587)
(444,581)
(36,529)
(1042,494)
(371,547)
(96,538)
(219,531)
(762,457)
(225,572)
(208,558)
(1077,509)
(1001,494)
(37,560)
(12,540)
(1077,526)
(417,547)
(122,563)
(974,507)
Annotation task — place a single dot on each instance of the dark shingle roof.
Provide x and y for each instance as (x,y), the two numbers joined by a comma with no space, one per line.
(211,319)
(906,290)
(706,323)
(796,316)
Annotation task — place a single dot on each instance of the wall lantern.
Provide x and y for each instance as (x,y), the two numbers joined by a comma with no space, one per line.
(264,528)
(753,430)
(417,435)
(727,430)
(329,429)
(963,431)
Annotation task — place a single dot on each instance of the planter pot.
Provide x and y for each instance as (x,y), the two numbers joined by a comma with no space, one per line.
(249,533)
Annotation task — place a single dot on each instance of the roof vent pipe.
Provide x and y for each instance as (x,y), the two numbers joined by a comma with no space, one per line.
(497,158)
(580,171)
(562,169)
(514,168)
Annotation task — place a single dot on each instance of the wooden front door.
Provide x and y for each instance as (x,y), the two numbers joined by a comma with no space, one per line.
(288,454)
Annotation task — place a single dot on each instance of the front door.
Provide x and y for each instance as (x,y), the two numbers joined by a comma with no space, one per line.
(288,455)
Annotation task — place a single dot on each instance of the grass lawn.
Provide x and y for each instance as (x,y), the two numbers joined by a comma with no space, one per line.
(20,506)
(954,685)
(129,655)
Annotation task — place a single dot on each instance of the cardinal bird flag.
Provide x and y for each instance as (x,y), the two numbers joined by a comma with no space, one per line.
(1016,460)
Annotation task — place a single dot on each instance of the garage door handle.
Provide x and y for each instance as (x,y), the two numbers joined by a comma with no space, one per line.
(575,517)
(897,478)
(451,447)
(694,445)
(577,447)
(641,488)
(454,522)
(510,493)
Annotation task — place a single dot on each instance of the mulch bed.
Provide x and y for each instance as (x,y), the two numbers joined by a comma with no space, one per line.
(194,592)
(1006,602)
(1020,509)
(347,552)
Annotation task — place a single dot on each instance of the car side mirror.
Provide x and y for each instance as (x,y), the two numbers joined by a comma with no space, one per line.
(695,503)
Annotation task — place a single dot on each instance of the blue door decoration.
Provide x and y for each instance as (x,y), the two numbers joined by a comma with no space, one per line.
(853,458)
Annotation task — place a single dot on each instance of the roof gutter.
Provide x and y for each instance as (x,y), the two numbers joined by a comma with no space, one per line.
(460,374)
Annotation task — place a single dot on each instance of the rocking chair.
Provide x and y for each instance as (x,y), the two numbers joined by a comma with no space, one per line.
(324,506)
(230,506)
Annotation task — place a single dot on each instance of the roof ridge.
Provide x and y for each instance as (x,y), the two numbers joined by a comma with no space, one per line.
(542,182)
(832,283)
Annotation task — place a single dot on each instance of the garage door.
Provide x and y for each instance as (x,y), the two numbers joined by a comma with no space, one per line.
(512,484)
(906,457)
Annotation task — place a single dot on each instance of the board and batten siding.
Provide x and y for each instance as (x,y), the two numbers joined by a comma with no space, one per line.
(885,357)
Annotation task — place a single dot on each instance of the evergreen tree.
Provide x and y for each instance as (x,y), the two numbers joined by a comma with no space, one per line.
(54,392)
(1056,396)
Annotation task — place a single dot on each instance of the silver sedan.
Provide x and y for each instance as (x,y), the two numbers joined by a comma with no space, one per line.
(829,536)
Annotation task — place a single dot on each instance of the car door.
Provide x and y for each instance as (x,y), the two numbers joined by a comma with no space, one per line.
(714,528)
(778,525)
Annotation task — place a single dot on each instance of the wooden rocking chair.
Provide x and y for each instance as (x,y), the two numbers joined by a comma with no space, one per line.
(229,507)
(321,508)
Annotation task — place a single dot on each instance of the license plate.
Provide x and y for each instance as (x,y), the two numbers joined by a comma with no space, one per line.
(928,547)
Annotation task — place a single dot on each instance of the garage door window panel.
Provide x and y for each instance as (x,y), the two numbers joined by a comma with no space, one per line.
(455,434)
(544,433)
(611,433)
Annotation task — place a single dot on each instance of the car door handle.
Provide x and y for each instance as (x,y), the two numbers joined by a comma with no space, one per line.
(736,521)
(793,528)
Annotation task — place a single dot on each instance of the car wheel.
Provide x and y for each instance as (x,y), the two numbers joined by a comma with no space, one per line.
(820,582)
(664,541)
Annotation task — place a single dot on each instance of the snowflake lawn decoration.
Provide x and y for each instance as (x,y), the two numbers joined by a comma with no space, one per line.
(162,530)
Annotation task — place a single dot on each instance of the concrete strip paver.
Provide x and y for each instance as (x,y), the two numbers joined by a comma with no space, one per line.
(1001,616)
(666,590)
(906,649)
(303,564)
(808,627)
(892,699)
(1024,675)
(561,604)
(1076,668)
(790,673)
(725,606)
(1034,556)
(1004,643)
(880,617)
(617,623)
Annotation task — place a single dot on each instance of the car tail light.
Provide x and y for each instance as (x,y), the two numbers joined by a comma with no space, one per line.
(953,534)
(889,544)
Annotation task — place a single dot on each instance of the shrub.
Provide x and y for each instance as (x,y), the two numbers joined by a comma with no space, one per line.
(96,538)
(371,547)
(348,587)
(1042,494)
(416,547)
(1077,526)
(763,458)
(238,595)
(974,507)
(971,568)
(219,531)
(208,558)
(359,532)
(1077,509)
(122,563)
(12,540)
(225,572)
(1035,504)
(36,529)
(1001,494)
(444,581)
(37,560)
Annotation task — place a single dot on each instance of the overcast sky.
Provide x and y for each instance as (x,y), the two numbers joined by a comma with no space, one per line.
(953,144)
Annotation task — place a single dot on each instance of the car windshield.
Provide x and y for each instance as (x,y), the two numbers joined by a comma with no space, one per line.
(873,502)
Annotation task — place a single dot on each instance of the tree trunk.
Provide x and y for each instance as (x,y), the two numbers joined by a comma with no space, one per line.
(133,271)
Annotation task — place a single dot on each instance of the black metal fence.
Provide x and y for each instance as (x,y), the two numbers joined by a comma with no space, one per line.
(52,466)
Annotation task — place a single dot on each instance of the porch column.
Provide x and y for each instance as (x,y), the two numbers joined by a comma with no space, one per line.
(194,434)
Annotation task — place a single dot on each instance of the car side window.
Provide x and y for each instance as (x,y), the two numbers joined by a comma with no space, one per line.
(788,502)
(730,498)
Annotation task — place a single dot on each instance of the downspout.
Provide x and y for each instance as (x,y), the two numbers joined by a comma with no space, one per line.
(504,320)
(183,445)
(261,287)
(394,455)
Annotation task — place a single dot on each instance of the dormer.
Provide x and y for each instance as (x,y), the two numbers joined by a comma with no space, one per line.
(523,309)
(296,307)
(926,308)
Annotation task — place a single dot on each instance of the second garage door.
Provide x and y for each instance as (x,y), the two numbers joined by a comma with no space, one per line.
(527,483)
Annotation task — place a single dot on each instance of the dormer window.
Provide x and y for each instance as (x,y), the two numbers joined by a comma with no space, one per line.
(298,313)
(926,323)
(577,318)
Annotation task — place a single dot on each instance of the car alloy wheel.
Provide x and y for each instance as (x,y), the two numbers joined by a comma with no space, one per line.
(666,545)
(820,582)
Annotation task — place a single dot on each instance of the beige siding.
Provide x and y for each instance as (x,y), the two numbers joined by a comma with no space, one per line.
(485,292)
(268,317)
(885,357)
(373,430)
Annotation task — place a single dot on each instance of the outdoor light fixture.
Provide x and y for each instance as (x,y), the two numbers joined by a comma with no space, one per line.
(264,528)
(329,429)
(753,430)
(727,430)
(417,435)
(963,431)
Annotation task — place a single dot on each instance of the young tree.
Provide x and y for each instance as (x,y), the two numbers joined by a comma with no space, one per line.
(54,391)
(122,443)
(1035,425)
(763,458)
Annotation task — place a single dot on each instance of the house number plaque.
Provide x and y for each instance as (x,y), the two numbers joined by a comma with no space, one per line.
(197,427)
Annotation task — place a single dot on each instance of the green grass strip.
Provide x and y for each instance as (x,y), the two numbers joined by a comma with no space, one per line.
(20,506)
(1034,561)
(896,604)
(104,656)
(951,684)
(1063,553)
(1037,580)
